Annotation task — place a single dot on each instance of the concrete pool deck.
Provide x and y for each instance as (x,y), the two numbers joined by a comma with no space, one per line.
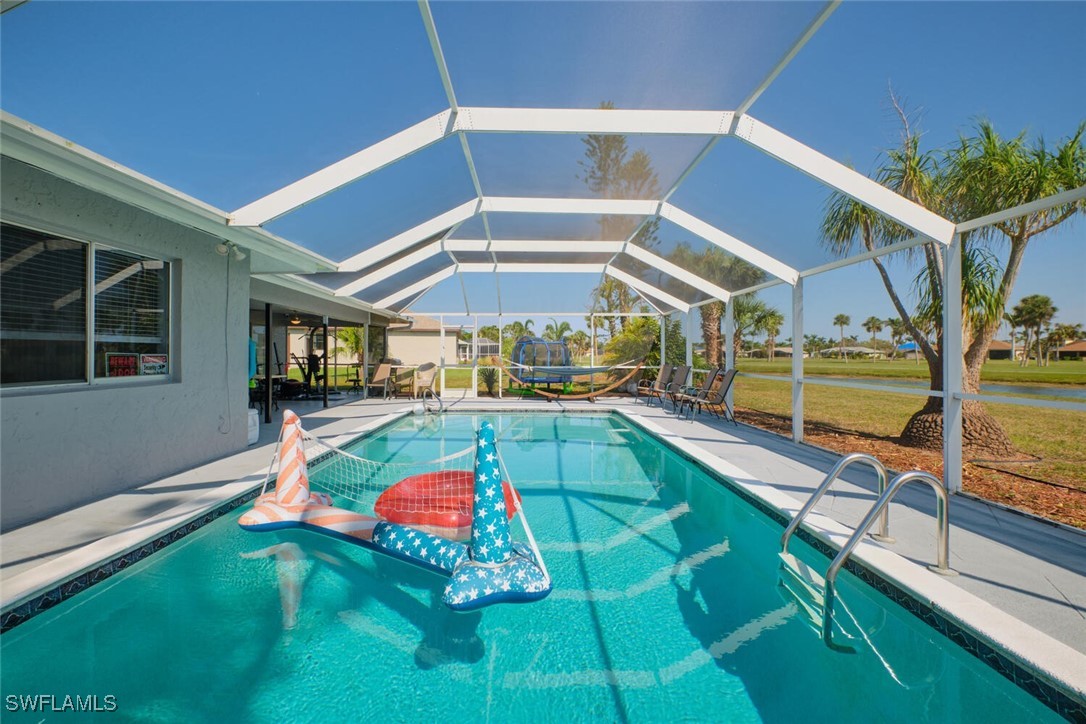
(1032,570)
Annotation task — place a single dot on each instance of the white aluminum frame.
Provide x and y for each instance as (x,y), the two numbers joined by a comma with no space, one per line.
(635,283)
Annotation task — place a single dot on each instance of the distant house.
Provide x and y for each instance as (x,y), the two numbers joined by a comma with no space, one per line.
(777,352)
(853,352)
(999,349)
(1074,350)
(420,341)
(487,348)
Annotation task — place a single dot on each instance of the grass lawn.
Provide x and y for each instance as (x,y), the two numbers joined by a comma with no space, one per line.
(1067,372)
(1054,436)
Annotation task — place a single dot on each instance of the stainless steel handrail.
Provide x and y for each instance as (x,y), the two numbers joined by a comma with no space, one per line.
(942,541)
(884,527)
(436,397)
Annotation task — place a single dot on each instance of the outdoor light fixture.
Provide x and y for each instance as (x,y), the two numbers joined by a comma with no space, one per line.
(295,319)
(227,247)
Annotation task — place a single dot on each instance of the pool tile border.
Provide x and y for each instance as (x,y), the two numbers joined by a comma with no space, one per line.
(46,600)
(1049,693)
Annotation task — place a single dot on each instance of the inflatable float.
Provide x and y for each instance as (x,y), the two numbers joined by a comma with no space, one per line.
(489,568)
(437,502)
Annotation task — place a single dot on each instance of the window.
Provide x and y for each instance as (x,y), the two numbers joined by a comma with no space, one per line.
(131,299)
(45,330)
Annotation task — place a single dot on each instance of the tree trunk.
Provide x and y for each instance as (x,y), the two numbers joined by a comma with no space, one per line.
(710,333)
(982,435)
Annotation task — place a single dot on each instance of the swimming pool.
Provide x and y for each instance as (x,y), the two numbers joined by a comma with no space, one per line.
(666,607)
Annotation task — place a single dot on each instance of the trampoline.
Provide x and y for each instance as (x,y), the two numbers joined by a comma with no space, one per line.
(537,354)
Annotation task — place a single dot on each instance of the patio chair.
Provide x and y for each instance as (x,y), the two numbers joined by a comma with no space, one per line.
(692,395)
(657,387)
(677,385)
(382,379)
(718,401)
(424,379)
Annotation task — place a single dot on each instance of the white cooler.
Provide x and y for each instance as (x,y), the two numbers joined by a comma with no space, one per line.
(254,426)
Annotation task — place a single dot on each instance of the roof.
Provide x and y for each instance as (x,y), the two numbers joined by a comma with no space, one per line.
(858,350)
(1077,346)
(441,168)
(422,323)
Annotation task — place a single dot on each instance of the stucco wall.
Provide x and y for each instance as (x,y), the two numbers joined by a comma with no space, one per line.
(64,446)
(415,348)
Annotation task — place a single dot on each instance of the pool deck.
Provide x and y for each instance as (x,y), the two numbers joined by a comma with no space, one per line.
(1032,570)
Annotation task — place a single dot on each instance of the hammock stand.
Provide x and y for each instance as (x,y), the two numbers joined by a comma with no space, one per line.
(590,396)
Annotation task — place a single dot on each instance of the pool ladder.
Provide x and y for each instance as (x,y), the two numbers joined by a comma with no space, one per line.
(814,594)
(432,403)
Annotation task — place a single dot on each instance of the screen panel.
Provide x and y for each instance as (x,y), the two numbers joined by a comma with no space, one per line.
(224,101)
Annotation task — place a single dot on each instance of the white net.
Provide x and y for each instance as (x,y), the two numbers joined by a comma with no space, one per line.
(433,495)
(424,486)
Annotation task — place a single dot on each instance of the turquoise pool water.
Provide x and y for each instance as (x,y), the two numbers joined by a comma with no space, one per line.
(665,608)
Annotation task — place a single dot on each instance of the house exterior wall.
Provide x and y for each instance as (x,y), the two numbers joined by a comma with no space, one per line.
(65,445)
(415,348)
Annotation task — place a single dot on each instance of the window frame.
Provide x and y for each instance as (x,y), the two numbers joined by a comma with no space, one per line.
(93,242)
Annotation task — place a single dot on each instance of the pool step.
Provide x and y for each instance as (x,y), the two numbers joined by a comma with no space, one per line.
(806,588)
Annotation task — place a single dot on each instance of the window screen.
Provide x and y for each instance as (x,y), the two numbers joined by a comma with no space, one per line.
(131,314)
(43,318)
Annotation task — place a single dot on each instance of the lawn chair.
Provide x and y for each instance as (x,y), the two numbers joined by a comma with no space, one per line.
(382,379)
(693,395)
(678,384)
(719,399)
(424,379)
(656,388)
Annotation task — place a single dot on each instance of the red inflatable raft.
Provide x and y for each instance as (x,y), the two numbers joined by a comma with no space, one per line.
(439,502)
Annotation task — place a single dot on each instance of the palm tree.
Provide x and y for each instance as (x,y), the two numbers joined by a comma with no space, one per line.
(841,321)
(873,325)
(1064,333)
(354,339)
(1034,312)
(579,341)
(556,330)
(716,266)
(748,315)
(814,343)
(982,175)
(771,325)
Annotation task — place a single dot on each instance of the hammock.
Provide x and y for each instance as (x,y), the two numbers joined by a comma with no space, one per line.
(590,396)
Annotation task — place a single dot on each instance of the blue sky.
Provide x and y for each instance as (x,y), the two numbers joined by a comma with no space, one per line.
(228,101)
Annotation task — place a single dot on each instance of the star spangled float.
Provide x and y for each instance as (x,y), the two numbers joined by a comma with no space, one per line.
(490,568)
(495,570)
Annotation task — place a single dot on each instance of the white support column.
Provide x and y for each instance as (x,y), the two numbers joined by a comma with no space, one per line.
(441,338)
(729,343)
(663,339)
(952,365)
(690,341)
(500,342)
(592,349)
(797,361)
(475,359)
(364,372)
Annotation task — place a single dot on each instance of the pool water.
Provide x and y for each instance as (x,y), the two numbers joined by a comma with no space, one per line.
(665,608)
